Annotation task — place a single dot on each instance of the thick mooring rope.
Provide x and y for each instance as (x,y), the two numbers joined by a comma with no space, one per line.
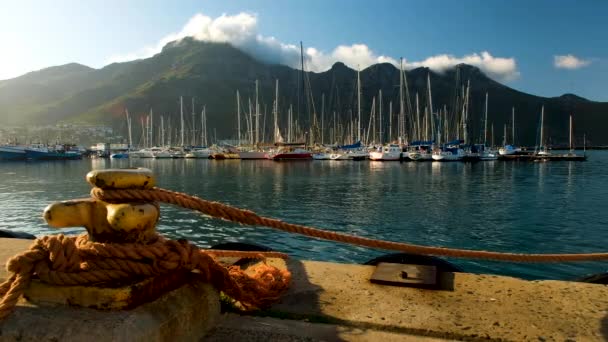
(62,260)
(248,217)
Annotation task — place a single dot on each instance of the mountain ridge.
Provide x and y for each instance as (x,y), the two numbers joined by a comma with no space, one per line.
(212,72)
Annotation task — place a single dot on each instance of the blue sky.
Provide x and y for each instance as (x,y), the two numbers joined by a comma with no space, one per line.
(521,38)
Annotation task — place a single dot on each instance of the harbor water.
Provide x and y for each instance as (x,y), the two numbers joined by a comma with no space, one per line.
(522,207)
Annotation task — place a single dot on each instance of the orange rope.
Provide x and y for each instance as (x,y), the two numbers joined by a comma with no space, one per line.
(248,217)
(62,260)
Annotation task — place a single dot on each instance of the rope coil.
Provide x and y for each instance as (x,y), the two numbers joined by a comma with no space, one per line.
(62,260)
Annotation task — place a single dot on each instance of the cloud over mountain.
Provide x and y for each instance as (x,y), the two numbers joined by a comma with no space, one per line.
(569,62)
(241,30)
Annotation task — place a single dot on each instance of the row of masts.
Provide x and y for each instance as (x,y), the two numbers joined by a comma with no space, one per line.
(168,136)
(418,122)
(425,124)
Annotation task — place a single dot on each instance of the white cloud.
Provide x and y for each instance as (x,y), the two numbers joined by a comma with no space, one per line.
(569,62)
(504,69)
(240,30)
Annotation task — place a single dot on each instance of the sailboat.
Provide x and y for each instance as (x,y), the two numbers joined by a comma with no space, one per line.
(506,150)
(571,155)
(289,150)
(354,151)
(125,154)
(542,148)
(254,152)
(420,150)
(452,151)
(391,152)
(485,151)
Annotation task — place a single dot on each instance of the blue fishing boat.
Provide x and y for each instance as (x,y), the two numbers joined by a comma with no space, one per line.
(120,155)
(59,152)
(11,152)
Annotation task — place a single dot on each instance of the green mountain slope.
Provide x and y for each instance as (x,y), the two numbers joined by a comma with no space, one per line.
(210,73)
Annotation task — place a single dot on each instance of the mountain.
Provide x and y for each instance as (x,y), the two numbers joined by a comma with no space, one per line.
(212,72)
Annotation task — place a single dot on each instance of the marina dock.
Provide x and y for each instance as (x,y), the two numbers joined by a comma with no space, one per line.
(331,301)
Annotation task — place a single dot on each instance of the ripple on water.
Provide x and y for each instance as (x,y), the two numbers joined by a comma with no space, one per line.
(511,207)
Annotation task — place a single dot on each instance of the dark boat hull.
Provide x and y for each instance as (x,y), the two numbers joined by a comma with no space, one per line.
(40,155)
(292,156)
(5,155)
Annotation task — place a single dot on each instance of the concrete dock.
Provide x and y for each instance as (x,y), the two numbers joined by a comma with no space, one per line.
(336,302)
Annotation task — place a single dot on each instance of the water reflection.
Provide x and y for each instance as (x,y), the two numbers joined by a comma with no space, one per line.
(506,206)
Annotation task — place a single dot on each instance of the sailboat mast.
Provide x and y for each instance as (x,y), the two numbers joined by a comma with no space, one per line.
(206,142)
(303,84)
(203,127)
(289,124)
(571,132)
(446,125)
(250,122)
(371,127)
(542,133)
(390,121)
(257,114)
(380,117)
(504,138)
(238,116)
(151,128)
(513,125)
(162,131)
(428,81)
(401,104)
(426,123)
(193,140)
(485,126)
(147,134)
(276,110)
(129,128)
(181,116)
(333,139)
(466,114)
(418,132)
(169,135)
(358,105)
(322,117)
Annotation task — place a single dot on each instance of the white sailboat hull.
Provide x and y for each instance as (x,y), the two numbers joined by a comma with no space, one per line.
(417,156)
(321,156)
(385,156)
(199,154)
(447,156)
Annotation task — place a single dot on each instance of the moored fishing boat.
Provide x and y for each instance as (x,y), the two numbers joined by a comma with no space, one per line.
(12,152)
(59,152)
